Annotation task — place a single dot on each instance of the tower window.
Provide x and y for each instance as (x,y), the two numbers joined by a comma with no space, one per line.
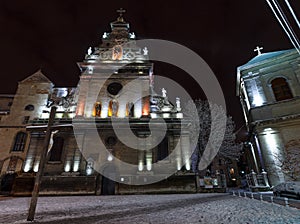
(97,109)
(20,141)
(113,108)
(281,89)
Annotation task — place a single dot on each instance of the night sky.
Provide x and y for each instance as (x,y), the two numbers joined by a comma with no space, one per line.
(54,35)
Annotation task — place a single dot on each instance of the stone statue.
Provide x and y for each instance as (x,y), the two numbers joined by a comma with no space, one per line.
(114,108)
(178,102)
(131,35)
(104,35)
(164,92)
(98,108)
(145,51)
(89,51)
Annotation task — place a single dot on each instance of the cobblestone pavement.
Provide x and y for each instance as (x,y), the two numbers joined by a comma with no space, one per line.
(175,208)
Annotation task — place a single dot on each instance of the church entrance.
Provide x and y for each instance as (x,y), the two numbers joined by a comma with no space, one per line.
(108,185)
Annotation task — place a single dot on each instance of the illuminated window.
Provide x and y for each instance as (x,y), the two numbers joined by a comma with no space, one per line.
(20,141)
(281,89)
(56,150)
(97,109)
(113,108)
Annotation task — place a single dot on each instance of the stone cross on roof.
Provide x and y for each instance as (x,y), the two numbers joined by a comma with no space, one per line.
(121,11)
(258,50)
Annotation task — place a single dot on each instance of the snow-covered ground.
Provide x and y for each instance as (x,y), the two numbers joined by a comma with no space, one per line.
(175,208)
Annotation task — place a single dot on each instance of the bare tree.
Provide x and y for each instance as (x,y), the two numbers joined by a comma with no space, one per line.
(229,149)
(287,161)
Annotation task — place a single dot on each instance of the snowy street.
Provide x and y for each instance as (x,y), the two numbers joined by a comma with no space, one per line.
(175,208)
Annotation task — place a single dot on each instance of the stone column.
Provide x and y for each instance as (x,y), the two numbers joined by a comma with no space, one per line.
(254,178)
(178,154)
(186,149)
(264,173)
(141,155)
(272,153)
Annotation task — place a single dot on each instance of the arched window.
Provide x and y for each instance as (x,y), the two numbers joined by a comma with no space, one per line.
(97,109)
(113,108)
(20,141)
(281,89)
(56,150)
(29,107)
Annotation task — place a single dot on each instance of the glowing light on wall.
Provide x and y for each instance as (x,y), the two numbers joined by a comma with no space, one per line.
(149,161)
(258,97)
(89,166)
(79,109)
(153,115)
(187,164)
(179,115)
(58,115)
(166,115)
(140,166)
(71,115)
(138,109)
(36,166)
(76,165)
(109,157)
(45,115)
(257,100)
(28,165)
(104,111)
(68,166)
(179,165)
(271,139)
(89,171)
(271,148)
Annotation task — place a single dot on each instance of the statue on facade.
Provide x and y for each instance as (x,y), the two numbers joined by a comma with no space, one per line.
(89,51)
(105,35)
(178,103)
(145,51)
(164,92)
(98,108)
(114,107)
(131,35)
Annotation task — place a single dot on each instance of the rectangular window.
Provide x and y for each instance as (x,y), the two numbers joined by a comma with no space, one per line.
(20,141)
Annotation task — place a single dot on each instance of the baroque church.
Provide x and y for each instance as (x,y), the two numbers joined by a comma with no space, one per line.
(269,90)
(100,107)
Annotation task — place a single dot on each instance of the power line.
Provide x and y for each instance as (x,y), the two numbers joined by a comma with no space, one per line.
(283,21)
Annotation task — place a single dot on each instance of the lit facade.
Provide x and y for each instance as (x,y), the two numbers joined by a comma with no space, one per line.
(269,91)
(104,92)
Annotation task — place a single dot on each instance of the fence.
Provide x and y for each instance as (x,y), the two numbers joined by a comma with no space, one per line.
(257,182)
(268,198)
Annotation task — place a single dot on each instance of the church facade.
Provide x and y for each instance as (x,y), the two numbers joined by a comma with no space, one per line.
(269,90)
(102,105)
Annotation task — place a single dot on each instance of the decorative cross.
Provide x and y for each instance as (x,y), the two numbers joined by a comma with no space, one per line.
(121,11)
(258,50)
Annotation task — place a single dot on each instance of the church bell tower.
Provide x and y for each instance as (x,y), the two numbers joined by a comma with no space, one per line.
(116,78)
